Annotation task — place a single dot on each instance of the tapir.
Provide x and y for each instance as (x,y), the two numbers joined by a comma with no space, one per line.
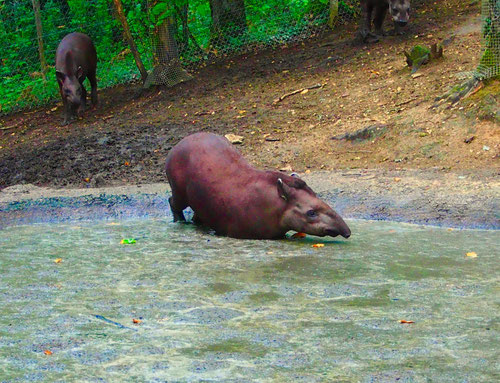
(399,10)
(76,59)
(237,200)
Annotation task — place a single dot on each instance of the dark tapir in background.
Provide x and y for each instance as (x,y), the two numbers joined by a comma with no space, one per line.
(76,59)
(235,199)
(376,10)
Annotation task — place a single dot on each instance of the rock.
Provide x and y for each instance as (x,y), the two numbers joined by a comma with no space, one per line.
(234,139)
(368,133)
(469,140)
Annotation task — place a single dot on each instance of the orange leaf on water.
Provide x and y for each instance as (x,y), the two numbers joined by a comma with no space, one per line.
(47,352)
(318,245)
(136,321)
(471,254)
(406,321)
(58,260)
(298,235)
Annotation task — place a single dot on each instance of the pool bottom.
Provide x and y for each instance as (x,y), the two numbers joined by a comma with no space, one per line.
(209,308)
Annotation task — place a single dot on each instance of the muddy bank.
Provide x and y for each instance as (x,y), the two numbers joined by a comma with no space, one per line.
(460,200)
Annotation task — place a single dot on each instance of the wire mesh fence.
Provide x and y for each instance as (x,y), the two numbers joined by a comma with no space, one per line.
(489,65)
(170,35)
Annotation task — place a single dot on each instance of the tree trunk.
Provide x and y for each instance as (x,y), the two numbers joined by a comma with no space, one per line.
(167,69)
(334,13)
(39,34)
(228,20)
(130,40)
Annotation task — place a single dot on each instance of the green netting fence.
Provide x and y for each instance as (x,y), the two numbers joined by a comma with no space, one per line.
(171,36)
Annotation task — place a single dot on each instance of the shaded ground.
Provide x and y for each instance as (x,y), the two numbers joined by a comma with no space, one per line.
(126,140)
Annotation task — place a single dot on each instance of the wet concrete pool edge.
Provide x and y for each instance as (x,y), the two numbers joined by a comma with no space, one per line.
(355,195)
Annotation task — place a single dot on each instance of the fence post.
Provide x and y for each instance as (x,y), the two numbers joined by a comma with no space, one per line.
(39,33)
(334,12)
(130,40)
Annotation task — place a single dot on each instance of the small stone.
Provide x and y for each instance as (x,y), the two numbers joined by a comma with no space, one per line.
(486,148)
(469,140)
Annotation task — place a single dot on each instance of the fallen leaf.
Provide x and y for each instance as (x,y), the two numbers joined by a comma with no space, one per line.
(58,260)
(234,139)
(406,321)
(127,163)
(136,321)
(47,352)
(471,254)
(298,235)
(305,91)
(397,179)
(316,245)
(87,179)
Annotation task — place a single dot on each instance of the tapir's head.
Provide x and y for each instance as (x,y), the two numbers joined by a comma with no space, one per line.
(306,213)
(400,11)
(69,81)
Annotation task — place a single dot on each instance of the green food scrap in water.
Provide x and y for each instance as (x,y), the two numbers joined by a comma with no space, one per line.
(127,241)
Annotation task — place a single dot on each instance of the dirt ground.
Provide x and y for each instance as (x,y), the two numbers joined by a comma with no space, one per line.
(126,140)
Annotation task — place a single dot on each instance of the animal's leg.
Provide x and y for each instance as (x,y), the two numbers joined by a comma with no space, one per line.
(196,219)
(83,101)
(93,91)
(378,20)
(365,25)
(67,112)
(177,210)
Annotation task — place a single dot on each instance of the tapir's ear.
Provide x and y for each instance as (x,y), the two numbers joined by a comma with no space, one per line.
(283,190)
(79,72)
(60,76)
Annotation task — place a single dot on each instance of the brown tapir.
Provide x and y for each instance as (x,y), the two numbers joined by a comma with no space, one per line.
(235,199)
(400,12)
(76,59)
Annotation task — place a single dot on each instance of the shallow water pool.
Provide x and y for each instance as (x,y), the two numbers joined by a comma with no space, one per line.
(215,309)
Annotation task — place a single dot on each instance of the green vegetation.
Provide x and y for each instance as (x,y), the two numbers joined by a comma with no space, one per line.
(22,83)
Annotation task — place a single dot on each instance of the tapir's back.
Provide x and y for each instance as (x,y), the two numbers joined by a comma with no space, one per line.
(82,50)
(205,156)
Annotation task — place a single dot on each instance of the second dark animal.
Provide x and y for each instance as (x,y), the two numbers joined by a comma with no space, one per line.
(376,10)
(76,59)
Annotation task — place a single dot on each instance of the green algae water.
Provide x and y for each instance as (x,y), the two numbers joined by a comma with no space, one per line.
(215,309)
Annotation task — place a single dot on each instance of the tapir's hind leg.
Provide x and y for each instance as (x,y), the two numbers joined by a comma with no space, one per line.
(93,91)
(177,210)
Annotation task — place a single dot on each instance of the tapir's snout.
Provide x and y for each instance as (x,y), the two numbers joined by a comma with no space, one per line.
(341,229)
(402,23)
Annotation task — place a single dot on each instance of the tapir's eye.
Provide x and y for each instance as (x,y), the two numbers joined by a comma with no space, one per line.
(311,213)
(394,10)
